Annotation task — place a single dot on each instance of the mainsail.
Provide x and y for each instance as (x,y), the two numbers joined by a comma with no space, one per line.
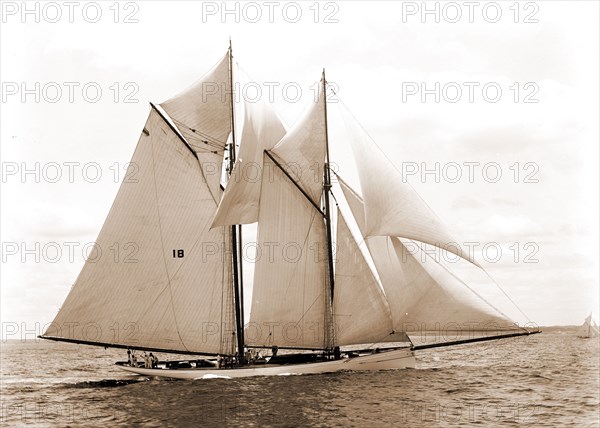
(141,287)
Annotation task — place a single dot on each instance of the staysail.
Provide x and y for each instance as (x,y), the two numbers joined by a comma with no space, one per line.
(289,296)
(141,288)
(360,309)
(421,296)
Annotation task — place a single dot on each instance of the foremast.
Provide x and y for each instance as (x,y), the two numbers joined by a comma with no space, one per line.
(236,233)
(329,325)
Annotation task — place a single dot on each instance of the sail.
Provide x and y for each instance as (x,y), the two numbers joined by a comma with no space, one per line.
(360,310)
(160,277)
(392,207)
(202,113)
(288,299)
(261,130)
(290,278)
(302,150)
(589,329)
(421,296)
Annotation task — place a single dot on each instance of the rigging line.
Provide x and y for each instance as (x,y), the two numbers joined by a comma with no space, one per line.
(204,145)
(204,151)
(207,148)
(200,135)
(201,143)
(162,244)
(205,138)
(459,280)
(268,153)
(334,198)
(506,294)
(397,170)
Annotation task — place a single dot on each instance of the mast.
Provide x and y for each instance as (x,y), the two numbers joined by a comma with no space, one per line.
(235,231)
(329,333)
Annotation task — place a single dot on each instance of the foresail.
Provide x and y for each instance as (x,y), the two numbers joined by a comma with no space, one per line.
(159,277)
(392,207)
(288,300)
(360,309)
(290,293)
(202,113)
(422,296)
(261,130)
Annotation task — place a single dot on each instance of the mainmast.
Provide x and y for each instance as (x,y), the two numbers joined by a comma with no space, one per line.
(329,330)
(236,232)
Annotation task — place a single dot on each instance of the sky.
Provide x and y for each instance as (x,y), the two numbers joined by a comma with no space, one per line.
(490,110)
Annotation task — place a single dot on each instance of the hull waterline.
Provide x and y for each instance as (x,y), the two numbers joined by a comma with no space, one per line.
(396,359)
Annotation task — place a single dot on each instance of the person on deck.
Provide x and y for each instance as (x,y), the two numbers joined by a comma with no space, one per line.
(146,358)
(219,359)
(133,359)
(153,361)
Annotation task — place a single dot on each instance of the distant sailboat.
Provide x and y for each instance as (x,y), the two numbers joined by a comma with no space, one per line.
(589,329)
(182,292)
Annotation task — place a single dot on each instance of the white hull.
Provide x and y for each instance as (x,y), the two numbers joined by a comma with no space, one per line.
(395,359)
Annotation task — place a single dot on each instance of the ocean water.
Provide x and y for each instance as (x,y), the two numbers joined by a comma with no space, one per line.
(549,379)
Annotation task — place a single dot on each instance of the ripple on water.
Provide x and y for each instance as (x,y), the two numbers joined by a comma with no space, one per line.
(520,382)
